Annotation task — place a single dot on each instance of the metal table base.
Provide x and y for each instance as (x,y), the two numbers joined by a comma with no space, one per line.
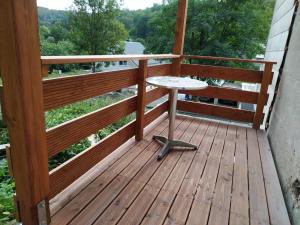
(170,143)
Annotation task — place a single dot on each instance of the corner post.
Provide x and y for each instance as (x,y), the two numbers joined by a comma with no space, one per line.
(262,98)
(22,84)
(141,100)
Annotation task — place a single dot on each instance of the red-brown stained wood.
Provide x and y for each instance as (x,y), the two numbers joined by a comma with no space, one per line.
(155,94)
(68,133)
(68,172)
(2,104)
(218,111)
(50,60)
(59,92)
(159,70)
(262,98)
(21,76)
(219,72)
(225,93)
(141,100)
(156,112)
(227,59)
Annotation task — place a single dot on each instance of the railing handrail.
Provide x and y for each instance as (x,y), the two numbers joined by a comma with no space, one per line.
(228,59)
(50,60)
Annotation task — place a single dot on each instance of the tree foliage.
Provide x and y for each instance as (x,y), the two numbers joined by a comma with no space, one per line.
(94,28)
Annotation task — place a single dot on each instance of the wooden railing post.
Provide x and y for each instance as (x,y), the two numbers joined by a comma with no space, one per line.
(2,105)
(141,100)
(22,85)
(262,98)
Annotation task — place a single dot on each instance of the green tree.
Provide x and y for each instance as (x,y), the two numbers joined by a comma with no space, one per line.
(94,28)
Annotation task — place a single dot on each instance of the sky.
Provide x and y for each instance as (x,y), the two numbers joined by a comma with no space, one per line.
(130,4)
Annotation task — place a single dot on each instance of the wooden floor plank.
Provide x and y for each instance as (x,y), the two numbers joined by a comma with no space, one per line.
(257,193)
(160,207)
(277,209)
(182,204)
(221,203)
(83,198)
(199,213)
(138,209)
(239,211)
(231,179)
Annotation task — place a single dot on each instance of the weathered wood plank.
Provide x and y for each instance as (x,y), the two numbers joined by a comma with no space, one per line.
(257,194)
(218,111)
(239,211)
(103,200)
(219,72)
(179,211)
(139,208)
(225,93)
(200,209)
(159,70)
(220,210)
(277,209)
(77,204)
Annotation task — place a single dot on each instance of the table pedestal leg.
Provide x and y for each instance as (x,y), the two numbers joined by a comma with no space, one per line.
(170,143)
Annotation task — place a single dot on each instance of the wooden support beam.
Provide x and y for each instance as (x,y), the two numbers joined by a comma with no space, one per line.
(141,101)
(180,27)
(2,105)
(263,95)
(21,75)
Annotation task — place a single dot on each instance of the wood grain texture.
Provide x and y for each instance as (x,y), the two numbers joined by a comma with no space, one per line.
(2,105)
(49,60)
(71,132)
(262,98)
(208,186)
(67,173)
(180,27)
(227,59)
(277,208)
(59,92)
(226,94)
(159,70)
(219,72)
(141,100)
(218,111)
(21,76)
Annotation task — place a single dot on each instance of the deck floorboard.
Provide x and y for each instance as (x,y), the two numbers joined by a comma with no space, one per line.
(230,179)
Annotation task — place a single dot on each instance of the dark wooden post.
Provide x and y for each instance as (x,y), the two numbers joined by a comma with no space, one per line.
(141,99)
(262,98)
(2,105)
(22,85)
(179,35)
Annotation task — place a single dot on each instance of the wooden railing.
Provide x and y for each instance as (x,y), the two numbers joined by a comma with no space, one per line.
(230,74)
(62,91)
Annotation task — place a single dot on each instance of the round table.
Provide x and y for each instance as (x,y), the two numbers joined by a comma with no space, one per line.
(174,84)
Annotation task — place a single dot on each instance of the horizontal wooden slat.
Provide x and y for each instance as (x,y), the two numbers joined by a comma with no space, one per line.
(67,173)
(226,94)
(62,91)
(155,94)
(66,134)
(159,70)
(219,72)
(215,110)
(48,60)
(154,113)
(226,59)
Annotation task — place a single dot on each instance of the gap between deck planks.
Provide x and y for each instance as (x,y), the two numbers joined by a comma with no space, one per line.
(231,180)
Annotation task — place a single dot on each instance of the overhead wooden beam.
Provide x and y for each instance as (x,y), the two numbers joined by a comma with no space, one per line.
(180,27)
(22,85)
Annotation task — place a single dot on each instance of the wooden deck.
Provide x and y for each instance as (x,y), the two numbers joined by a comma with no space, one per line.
(231,179)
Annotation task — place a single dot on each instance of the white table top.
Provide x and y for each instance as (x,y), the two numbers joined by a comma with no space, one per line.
(179,83)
